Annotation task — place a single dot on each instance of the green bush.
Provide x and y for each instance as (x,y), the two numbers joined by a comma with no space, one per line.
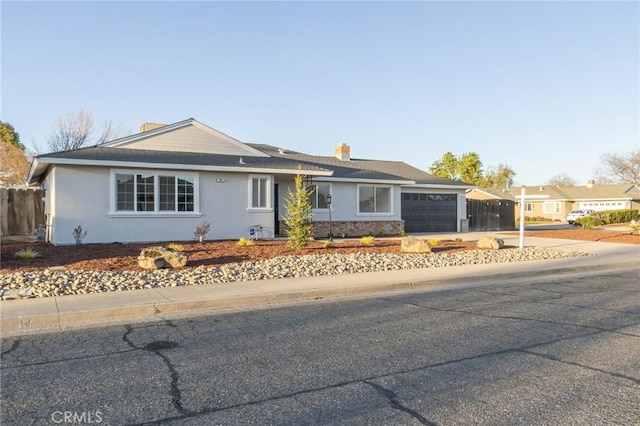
(588,222)
(616,216)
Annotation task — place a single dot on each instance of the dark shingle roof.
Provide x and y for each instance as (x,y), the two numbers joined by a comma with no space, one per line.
(133,156)
(171,157)
(360,169)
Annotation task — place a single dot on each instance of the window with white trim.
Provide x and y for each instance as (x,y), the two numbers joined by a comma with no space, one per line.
(319,196)
(551,207)
(155,192)
(528,207)
(259,192)
(374,199)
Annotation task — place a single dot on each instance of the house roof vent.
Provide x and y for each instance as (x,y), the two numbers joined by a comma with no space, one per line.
(343,152)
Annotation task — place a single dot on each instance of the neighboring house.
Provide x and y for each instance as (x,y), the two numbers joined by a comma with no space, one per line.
(555,203)
(158,185)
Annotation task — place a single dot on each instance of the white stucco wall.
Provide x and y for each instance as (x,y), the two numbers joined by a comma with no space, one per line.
(344,204)
(81,196)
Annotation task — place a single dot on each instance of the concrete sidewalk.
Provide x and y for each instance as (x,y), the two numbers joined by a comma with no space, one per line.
(65,312)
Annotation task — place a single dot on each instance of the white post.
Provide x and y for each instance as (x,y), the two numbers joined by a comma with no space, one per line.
(522,193)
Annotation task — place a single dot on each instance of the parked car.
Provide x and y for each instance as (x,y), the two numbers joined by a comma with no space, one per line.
(575,214)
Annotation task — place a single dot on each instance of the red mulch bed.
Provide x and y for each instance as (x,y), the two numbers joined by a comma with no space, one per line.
(123,257)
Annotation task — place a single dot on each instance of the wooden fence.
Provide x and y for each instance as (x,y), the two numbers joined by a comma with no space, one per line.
(21,211)
(491,215)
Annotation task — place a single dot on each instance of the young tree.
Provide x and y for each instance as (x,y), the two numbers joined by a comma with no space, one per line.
(299,213)
(561,180)
(73,131)
(621,168)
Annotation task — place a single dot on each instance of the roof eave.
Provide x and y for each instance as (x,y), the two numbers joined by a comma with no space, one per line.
(172,166)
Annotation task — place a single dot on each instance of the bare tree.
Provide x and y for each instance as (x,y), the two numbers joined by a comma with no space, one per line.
(110,132)
(620,168)
(561,180)
(74,130)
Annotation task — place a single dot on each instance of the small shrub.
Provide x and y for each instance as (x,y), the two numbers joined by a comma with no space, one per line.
(401,234)
(175,247)
(588,222)
(634,227)
(458,240)
(328,244)
(78,235)
(433,242)
(245,242)
(27,254)
(202,230)
(367,240)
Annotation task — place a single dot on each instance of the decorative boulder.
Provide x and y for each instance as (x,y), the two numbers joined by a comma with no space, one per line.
(490,243)
(412,244)
(160,257)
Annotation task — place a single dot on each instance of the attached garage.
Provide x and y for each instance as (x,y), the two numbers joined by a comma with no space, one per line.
(429,212)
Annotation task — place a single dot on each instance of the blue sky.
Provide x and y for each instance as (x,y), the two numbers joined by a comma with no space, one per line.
(545,87)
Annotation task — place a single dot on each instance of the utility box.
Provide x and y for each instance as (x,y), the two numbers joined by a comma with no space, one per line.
(464,225)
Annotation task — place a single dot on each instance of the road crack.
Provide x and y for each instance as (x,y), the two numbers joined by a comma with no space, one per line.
(577,364)
(393,400)
(156,349)
(13,347)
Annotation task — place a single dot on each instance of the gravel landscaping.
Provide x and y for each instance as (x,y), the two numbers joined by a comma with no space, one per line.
(57,281)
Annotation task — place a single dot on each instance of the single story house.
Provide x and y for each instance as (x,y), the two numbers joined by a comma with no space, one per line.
(159,184)
(555,203)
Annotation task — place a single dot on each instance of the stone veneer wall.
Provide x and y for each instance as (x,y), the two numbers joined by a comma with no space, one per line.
(355,228)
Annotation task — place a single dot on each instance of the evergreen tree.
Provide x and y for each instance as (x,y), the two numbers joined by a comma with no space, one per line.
(299,214)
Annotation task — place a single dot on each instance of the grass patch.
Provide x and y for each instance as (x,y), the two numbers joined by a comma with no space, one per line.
(245,242)
(175,247)
(27,254)
(367,240)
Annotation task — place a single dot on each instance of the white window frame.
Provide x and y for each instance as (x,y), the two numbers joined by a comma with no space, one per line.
(554,206)
(529,207)
(374,186)
(113,194)
(321,209)
(268,201)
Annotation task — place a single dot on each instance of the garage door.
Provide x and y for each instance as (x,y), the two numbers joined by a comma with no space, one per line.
(429,212)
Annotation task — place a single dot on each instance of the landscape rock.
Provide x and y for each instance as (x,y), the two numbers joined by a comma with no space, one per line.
(86,282)
(160,257)
(490,243)
(411,244)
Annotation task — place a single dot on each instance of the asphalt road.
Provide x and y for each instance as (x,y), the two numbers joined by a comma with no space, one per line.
(563,350)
